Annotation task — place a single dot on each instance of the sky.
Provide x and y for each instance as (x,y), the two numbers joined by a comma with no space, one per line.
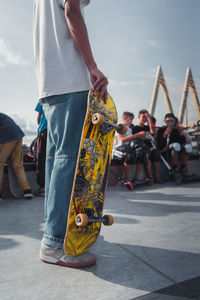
(129,40)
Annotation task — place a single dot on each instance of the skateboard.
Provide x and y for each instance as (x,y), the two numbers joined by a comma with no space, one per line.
(15,187)
(130,185)
(85,214)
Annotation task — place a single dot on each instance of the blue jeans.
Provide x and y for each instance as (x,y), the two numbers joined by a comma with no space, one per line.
(65,116)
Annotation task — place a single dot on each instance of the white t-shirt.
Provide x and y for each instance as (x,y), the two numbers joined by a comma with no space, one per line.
(59,66)
(118,143)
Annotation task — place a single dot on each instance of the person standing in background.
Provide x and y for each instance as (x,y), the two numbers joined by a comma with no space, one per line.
(11,147)
(41,148)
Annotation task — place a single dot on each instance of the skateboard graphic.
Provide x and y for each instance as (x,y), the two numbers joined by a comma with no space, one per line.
(88,193)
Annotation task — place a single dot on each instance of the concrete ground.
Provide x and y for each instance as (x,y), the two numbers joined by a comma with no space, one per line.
(151,252)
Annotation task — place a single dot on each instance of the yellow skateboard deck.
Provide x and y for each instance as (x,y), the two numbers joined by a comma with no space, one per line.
(89,186)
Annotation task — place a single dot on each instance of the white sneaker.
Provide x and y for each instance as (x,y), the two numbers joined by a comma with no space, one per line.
(57,256)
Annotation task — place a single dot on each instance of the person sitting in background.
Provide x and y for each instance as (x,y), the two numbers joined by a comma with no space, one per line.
(143,145)
(132,118)
(11,147)
(153,121)
(121,148)
(172,142)
(139,142)
(186,148)
(155,154)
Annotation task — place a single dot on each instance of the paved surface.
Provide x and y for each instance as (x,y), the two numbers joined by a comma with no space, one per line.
(151,252)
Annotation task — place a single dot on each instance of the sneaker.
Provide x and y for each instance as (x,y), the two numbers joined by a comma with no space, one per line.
(28,194)
(158,179)
(57,256)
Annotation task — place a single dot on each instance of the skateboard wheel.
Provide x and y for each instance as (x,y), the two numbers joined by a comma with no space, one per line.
(109,220)
(97,119)
(81,220)
(129,185)
(123,129)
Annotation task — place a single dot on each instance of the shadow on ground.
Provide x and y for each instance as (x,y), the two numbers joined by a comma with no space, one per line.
(142,267)
(21,217)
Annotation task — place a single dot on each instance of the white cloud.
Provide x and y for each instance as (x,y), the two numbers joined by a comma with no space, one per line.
(140,82)
(150,73)
(118,83)
(115,83)
(154,43)
(9,57)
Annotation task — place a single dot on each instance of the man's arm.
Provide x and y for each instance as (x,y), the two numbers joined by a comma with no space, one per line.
(79,35)
(141,135)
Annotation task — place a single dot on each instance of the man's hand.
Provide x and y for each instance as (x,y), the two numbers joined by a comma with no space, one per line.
(167,131)
(148,116)
(99,84)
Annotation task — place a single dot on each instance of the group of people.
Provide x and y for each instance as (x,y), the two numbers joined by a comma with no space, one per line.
(144,143)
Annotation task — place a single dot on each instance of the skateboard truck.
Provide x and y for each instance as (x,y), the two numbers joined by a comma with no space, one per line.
(98,119)
(84,220)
